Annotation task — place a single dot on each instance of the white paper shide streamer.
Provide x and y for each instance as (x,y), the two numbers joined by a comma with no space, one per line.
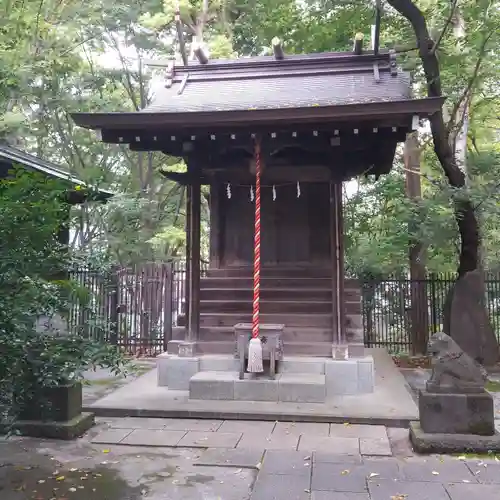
(274,193)
(228,190)
(298,189)
(252,196)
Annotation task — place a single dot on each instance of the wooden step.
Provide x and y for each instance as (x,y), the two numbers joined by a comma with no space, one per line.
(274,272)
(290,334)
(231,319)
(274,307)
(277,294)
(291,282)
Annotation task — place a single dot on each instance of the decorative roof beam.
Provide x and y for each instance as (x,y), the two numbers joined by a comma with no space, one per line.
(279,54)
(358,44)
(200,53)
(180,35)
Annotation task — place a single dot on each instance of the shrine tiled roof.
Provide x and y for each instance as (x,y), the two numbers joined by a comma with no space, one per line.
(295,82)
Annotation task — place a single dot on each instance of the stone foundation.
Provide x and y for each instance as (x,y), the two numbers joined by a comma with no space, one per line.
(299,379)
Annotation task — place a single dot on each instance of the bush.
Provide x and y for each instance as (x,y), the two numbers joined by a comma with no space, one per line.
(34,283)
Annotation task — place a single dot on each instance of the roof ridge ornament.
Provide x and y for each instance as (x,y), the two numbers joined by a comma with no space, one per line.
(200,53)
(393,62)
(279,54)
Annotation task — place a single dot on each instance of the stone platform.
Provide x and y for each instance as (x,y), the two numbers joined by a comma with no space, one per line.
(389,404)
(299,379)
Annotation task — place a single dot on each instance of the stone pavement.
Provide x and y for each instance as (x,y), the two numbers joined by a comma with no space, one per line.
(175,459)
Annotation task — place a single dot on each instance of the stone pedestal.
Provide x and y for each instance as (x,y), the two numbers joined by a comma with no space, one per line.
(175,372)
(455,423)
(457,413)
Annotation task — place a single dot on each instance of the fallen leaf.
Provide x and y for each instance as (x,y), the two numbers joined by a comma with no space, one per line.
(373,474)
(465,481)
(73,470)
(307,491)
(81,487)
(345,472)
(60,478)
(238,471)
(462,457)
(41,481)
(258,465)
(399,497)
(347,424)
(72,490)
(435,473)
(106,451)
(104,463)
(307,458)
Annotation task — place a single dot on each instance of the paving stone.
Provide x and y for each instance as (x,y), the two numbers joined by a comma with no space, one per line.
(302,388)
(281,487)
(388,489)
(435,470)
(111,436)
(377,447)
(286,462)
(138,423)
(337,495)
(337,477)
(358,431)
(256,389)
(297,428)
(461,491)
(231,457)
(191,424)
(399,440)
(272,442)
(253,426)
(153,437)
(333,458)
(194,439)
(485,471)
(340,446)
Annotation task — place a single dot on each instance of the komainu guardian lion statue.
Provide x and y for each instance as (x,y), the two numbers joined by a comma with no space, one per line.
(453,370)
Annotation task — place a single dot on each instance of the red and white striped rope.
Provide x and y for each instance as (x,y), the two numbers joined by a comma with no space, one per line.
(256,261)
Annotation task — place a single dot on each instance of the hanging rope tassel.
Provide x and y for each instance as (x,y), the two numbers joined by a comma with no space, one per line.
(255,364)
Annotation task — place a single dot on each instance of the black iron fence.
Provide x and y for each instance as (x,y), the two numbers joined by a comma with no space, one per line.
(136,308)
(394,308)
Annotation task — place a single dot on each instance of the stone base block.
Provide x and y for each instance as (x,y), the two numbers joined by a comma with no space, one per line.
(424,442)
(212,385)
(457,413)
(298,364)
(175,372)
(218,363)
(256,389)
(302,388)
(350,376)
(70,429)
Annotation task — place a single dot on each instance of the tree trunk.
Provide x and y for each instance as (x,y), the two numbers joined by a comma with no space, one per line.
(464,210)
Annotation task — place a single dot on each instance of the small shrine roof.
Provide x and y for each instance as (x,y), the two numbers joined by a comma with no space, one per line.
(262,89)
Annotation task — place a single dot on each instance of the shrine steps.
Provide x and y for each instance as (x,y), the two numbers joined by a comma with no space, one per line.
(299,298)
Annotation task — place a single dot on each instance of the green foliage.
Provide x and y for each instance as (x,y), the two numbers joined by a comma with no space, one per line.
(34,285)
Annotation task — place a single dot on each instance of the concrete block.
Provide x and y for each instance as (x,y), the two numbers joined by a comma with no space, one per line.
(175,372)
(341,377)
(351,376)
(302,388)
(366,375)
(302,365)
(212,385)
(257,389)
(218,363)
(457,413)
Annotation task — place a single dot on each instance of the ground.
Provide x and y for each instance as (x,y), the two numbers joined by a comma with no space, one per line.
(176,459)
(237,460)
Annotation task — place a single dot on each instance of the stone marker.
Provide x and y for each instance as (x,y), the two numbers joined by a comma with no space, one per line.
(466,319)
(456,412)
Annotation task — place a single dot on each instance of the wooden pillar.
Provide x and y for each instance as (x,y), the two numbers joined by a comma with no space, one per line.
(194,274)
(419,327)
(187,279)
(337,262)
(215,224)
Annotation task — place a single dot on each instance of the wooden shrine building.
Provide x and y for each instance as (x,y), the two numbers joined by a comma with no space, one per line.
(321,119)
